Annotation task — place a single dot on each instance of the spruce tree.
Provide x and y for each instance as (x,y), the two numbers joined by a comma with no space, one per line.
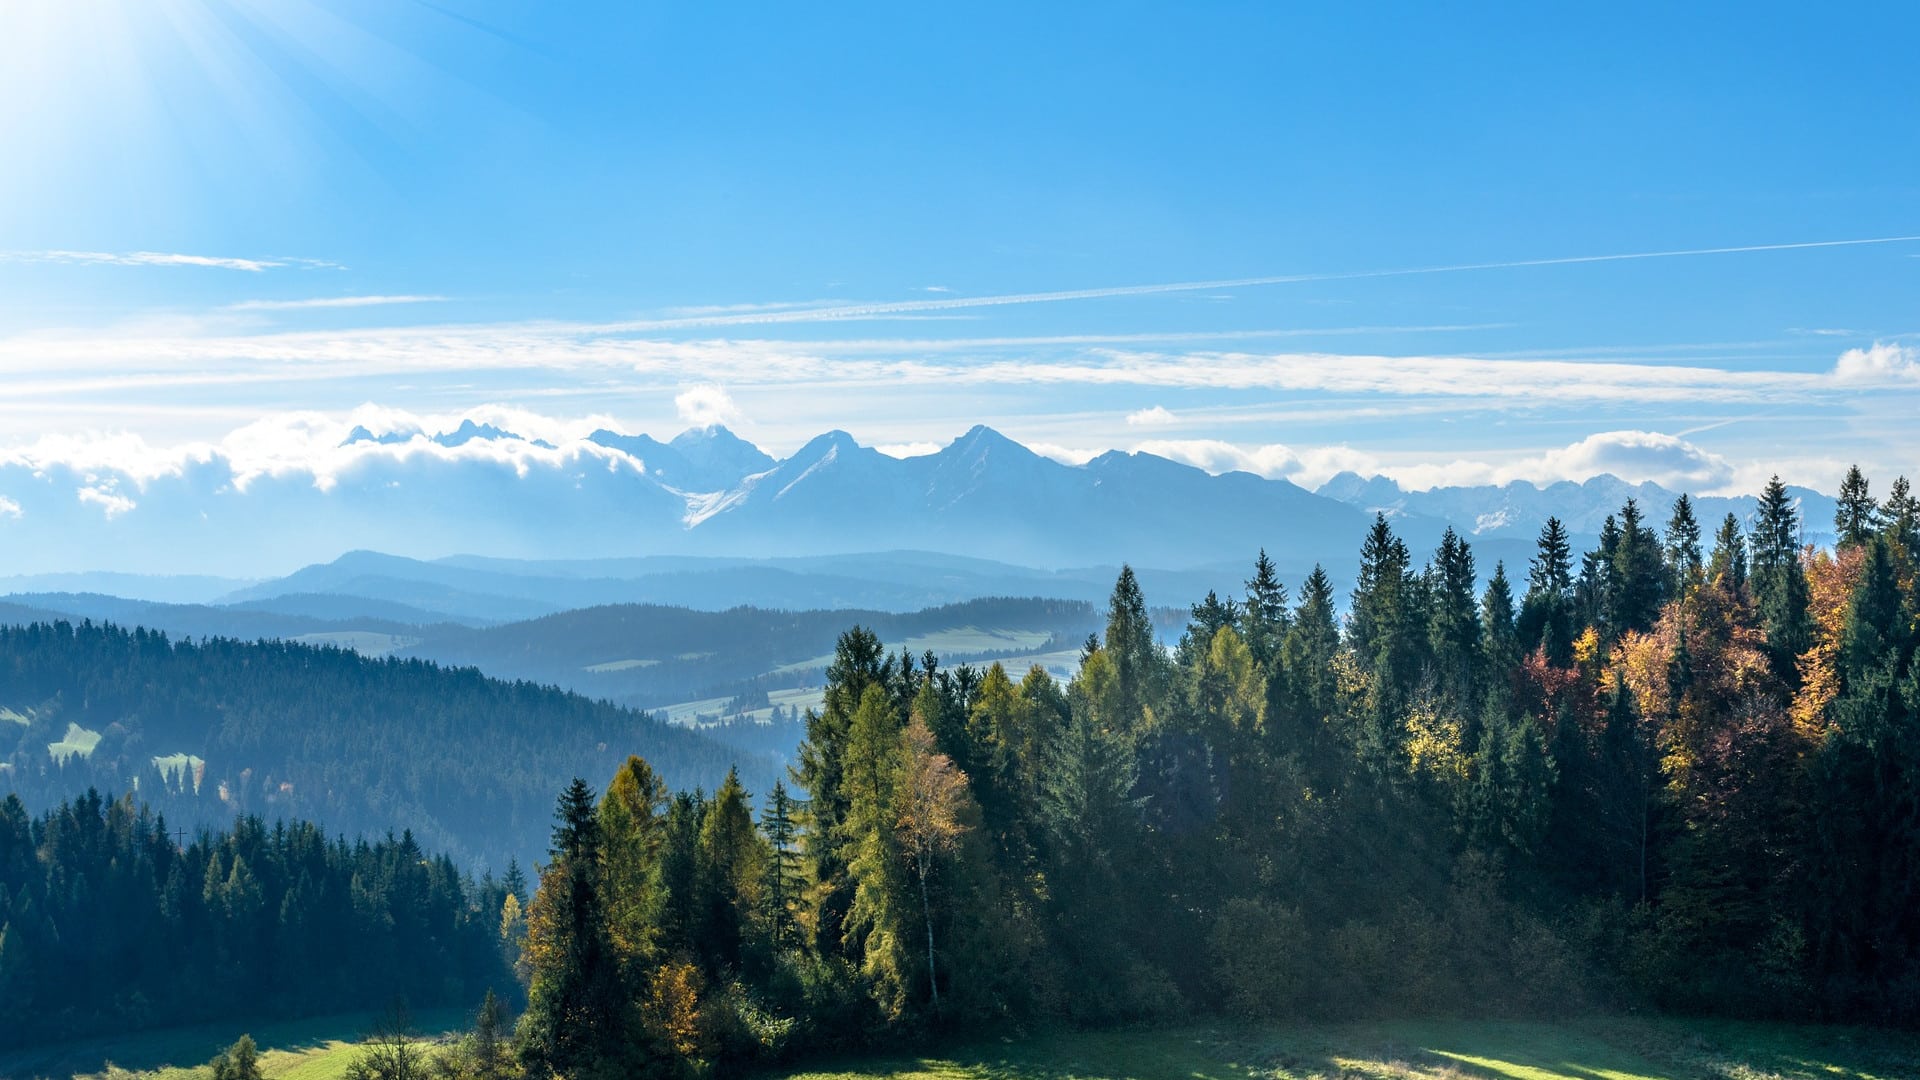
(1682,547)
(1454,624)
(784,883)
(1855,513)
(1263,620)
(575,1023)
(1779,581)
(1728,564)
(1899,519)
(1129,643)
(1637,577)
(1546,617)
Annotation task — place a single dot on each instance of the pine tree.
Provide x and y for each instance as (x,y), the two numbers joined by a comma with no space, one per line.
(1546,617)
(1855,513)
(1779,581)
(1729,562)
(1682,547)
(1454,630)
(732,867)
(877,928)
(575,1021)
(1312,642)
(633,819)
(856,666)
(1498,634)
(1637,577)
(1137,661)
(241,1061)
(784,882)
(487,1046)
(1899,519)
(1263,621)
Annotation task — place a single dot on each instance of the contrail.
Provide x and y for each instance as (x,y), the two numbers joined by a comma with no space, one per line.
(864,311)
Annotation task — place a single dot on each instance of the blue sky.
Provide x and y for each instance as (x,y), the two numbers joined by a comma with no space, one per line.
(234,227)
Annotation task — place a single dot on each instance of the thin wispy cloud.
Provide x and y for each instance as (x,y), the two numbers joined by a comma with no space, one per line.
(870,310)
(164,258)
(323,302)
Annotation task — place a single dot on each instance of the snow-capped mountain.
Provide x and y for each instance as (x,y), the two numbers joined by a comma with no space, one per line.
(481,489)
(1517,510)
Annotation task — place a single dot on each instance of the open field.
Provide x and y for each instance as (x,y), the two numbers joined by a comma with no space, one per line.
(1431,1050)
(316,1049)
(1596,1049)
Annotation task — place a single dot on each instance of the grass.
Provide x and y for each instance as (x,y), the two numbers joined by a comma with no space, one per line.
(1436,1050)
(314,1049)
(1595,1049)
(174,766)
(78,740)
(620,665)
(365,642)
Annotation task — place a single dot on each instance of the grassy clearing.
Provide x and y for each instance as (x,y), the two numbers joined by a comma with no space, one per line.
(692,712)
(365,642)
(174,766)
(315,1049)
(1438,1050)
(78,740)
(620,665)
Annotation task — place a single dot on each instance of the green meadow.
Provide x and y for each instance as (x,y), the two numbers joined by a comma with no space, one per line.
(1599,1049)
(1617,1049)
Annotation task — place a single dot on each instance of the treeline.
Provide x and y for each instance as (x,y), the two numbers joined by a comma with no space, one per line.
(1674,773)
(109,922)
(206,730)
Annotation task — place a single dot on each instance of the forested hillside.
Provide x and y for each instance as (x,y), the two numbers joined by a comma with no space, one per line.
(110,921)
(205,730)
(645,655)
(1673,773)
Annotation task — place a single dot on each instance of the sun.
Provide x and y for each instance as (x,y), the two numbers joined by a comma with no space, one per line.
(106,104)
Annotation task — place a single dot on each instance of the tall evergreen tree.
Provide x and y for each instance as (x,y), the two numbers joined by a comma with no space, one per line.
(784,881)
(1546,616)
(577,1018)
(1779,581)
(1899,518)
(1729,561)
(1638,576)
(1137,661)
(1454,628)
(1685,565)
(1855,514)
(1263,622)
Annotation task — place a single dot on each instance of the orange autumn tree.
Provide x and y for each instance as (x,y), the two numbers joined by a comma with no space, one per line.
(933,803)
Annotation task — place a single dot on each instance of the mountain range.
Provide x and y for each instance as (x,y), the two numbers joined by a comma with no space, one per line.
(487,493)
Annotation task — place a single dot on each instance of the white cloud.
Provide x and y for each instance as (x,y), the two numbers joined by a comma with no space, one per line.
(1637,456)
(871,310)
(109,501)
(1158,416)
(330,302)
(706,405)
(909,449)
(9,508)
(1068,455)
(1306,466)
(161,258)
(1879,363)
(936,289)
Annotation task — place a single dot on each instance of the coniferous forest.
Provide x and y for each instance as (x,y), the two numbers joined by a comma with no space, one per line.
(1677,772)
